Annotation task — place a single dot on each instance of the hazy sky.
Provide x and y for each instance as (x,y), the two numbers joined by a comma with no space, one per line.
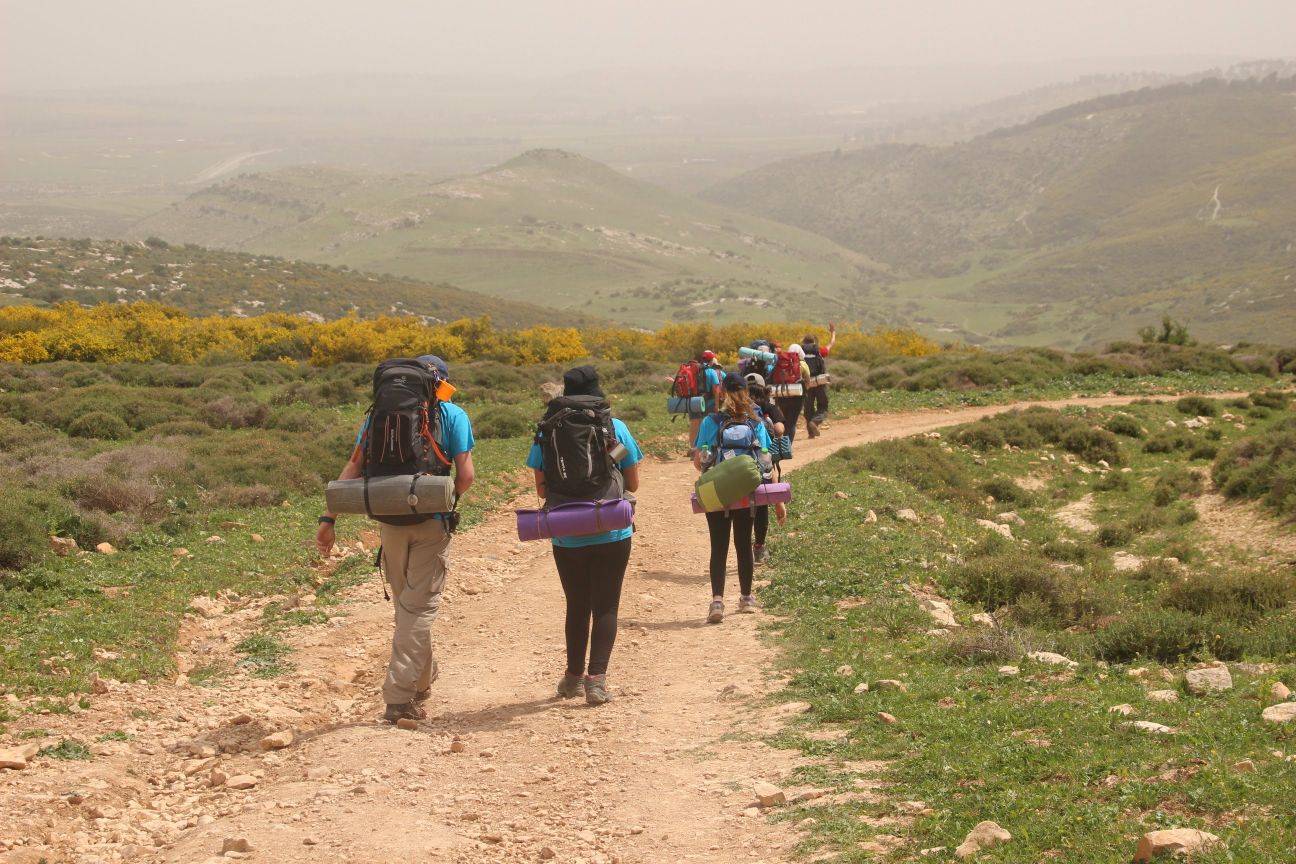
(83,43)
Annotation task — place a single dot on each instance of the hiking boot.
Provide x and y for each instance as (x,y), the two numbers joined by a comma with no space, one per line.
(571,686)
(716,613)
(747,603)
(404,711)
(596,690)
(760,553)
(813,428)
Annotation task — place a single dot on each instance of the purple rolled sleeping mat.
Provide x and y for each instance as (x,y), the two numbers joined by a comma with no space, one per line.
(575,519)
(765,494)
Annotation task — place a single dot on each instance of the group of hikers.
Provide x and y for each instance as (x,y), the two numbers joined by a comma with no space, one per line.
(585,462)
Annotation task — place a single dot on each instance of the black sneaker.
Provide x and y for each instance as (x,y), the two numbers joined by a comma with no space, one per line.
(596,690)
(405,711)
(571,686)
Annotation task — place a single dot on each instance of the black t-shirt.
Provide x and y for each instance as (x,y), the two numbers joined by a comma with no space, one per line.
(770,410)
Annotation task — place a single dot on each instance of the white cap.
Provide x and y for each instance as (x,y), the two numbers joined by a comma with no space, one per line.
(796,349)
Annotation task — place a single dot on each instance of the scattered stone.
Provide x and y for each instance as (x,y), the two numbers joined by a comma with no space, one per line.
(870,517)
(940,612)
(1137,673)
(891,684)
(217,777)
(407,723)
(98,686)
(1245,766)
(457,747)
(205,606)
(241,781)
(937,520)
(862,687)
(1209,680)
(309,841)
(241,720)
(984,836)
(985,619)
(1125,710)
(915,808)
(180,552)
(278,740)
(215,538)
(1052,659)
(1176,841)
(257,538)
(62,546)
(1003,530)
(841,496)
(1009,670)
(1280,691)
(236,844)
(888,719)
(905,514)
(105,549)
(317,772)
(547,853)
(845,670)
(769,795)
(1163,696)
(15,758)
(1148,726)
(1010,518)
(1283,712)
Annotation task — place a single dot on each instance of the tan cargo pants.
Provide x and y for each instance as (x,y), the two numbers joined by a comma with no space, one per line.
(414,560)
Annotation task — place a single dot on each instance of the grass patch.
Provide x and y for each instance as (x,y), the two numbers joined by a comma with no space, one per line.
(264,656)
(68,748)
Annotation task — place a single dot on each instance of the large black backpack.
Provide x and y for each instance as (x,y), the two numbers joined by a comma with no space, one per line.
(576,438)
(404,428)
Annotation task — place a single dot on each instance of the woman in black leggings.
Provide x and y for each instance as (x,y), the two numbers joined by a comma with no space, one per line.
(739,521)
(591,567)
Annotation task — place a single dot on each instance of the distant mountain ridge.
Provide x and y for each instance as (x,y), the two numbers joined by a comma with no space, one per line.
(1078,225)
(547,226)
(206,281)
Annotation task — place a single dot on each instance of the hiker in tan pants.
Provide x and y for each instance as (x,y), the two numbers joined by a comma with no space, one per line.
(414,559)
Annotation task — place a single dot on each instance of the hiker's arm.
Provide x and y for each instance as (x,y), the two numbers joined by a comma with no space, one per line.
(464,472)
(832,336)
(326,534)
(539,481)
(631,477)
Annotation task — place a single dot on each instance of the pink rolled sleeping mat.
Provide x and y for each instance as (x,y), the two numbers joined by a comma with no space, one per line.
(575,519)
(765,494)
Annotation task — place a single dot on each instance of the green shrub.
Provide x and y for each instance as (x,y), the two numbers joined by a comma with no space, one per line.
(295,420)
(1175,483)
(1113,481)
(1231,595)
(1114,535)
(1075,553)
(1262,467)
(1145,520)
(504,421)
(1168,635)
(998,580)
(24,538)
(1276,399)
(98,424)
(1204,452)
(1093,445)
(919,462)
(1168,441)
(631,413)
(178,429)
(1124,424)
(1197,406)
(234,412)
(1006,489)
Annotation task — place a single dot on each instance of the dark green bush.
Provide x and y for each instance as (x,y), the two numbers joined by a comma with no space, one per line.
(295,420)
(98,424)
(179,429)
(24,538)
(1075,553)
(505,421)
(917,461)
(1114,535)
(994,581)
(1234,596)
(1262,467)
(1197,406)
(1124,424)
(1276,399)
(1168,441)
(1093,445)
(1174,483)
(234,412)
(1113,481)
(1204,452)
(1006,489)
(1168,635)
(631,413)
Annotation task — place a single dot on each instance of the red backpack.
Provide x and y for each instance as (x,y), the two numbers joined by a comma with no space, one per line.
(690,380)
(787,369)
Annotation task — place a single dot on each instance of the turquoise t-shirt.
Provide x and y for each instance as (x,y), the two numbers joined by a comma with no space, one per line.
(712,381)
(710,428)
(535,460)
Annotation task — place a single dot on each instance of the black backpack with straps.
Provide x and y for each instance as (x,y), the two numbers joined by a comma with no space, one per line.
(576,437)
(405,433)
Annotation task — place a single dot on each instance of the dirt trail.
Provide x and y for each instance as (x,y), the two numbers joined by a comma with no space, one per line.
(662,774)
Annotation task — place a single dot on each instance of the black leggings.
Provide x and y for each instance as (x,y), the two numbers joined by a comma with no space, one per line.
(719,526)
(762,524)
(591,580)
(817,409)
(791,408)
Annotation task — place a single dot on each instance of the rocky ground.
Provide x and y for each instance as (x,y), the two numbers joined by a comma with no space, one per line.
(300,767)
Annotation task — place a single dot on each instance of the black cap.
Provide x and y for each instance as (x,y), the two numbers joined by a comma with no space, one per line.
(733,382)
(582,381)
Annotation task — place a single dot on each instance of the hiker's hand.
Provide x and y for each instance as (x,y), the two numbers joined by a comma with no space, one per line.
(780,513)
(832,328)
(324,538)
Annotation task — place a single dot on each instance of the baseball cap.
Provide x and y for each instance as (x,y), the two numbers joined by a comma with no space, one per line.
(708,355)
(435,362)
(797,350)
(755,378)
(733,382)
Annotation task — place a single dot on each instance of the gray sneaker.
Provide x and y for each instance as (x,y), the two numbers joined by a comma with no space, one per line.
(571,686)
(596,690)
(747,603)
(716,614)
(760,553)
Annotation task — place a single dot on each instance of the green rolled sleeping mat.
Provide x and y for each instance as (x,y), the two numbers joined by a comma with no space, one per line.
(729,482)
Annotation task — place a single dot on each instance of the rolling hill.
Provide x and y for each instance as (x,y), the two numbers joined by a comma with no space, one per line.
(205,281)
(548,226)
(1083,224)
